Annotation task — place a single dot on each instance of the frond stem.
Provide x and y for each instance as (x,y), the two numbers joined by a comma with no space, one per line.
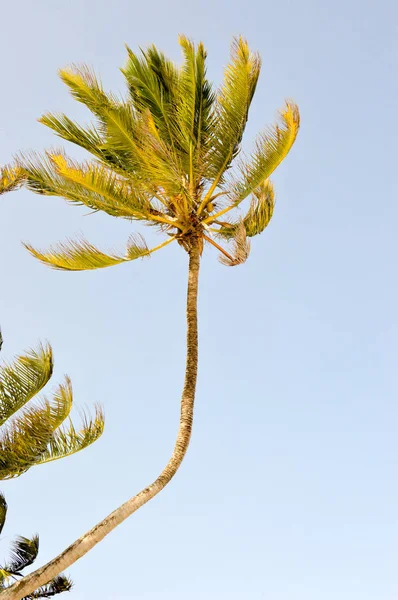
(213,243)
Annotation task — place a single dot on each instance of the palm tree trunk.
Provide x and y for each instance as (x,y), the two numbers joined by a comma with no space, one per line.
(81,546)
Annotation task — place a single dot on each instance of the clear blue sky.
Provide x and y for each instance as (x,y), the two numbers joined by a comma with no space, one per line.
(290,487)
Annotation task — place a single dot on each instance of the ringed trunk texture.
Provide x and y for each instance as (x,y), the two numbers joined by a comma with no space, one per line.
(85,543)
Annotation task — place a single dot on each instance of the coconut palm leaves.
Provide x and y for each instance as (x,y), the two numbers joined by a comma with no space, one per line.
(165,155)
(24,552)
(35,434)
(11,178)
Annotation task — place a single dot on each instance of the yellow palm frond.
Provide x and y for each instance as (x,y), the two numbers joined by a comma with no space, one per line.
(81,255)
(11,177)
(261,209)
(272,147)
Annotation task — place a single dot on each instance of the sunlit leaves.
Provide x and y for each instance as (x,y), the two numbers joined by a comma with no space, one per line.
(35,432)
(11,177)
(81,255)
(166,153)
(272,146)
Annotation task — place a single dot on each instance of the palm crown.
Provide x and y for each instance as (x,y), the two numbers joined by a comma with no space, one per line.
(35,434)
(163,155)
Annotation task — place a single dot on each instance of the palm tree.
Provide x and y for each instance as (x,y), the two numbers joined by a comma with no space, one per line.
(23,554)
(164,156)
(34,434)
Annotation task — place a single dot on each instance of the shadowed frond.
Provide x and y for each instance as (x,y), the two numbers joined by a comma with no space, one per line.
(24,552)
(11,177)
(80,255)
(23,379)
(59,584)
(272,147)
(152,81)
(240,249)
(3,512)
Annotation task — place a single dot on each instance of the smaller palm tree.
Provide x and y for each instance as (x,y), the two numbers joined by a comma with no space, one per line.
(35,434)
(23,554)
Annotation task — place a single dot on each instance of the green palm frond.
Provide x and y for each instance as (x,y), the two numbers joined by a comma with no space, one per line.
(33,433)
(24,552)
(24,379)
(3,512)
(25,439)
(233,103)
(67,441)
(85,137)
(272,147)
(152,81)
(59,584)
(88,184)
(11,177)
(80,255)
(195,109)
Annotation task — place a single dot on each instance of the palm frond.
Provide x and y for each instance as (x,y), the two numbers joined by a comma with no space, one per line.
(59,584)
(194,107)
(81,255)
(39,435)
(232,109)
(66,440)
(272,147)
(152,80)
(11,177)
(3,511)
(88,184)
(261,209)
(116,120)
(23,379)
(240,248)
(25,439)
(23,553)
(85,137)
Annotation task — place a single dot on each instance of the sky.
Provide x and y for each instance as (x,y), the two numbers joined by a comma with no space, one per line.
(289,490)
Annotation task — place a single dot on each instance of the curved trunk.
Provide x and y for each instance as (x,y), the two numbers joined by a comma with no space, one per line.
(79,548)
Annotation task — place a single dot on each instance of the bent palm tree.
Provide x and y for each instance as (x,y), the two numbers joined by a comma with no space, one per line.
(23,554)
(35,434)
(163,157)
